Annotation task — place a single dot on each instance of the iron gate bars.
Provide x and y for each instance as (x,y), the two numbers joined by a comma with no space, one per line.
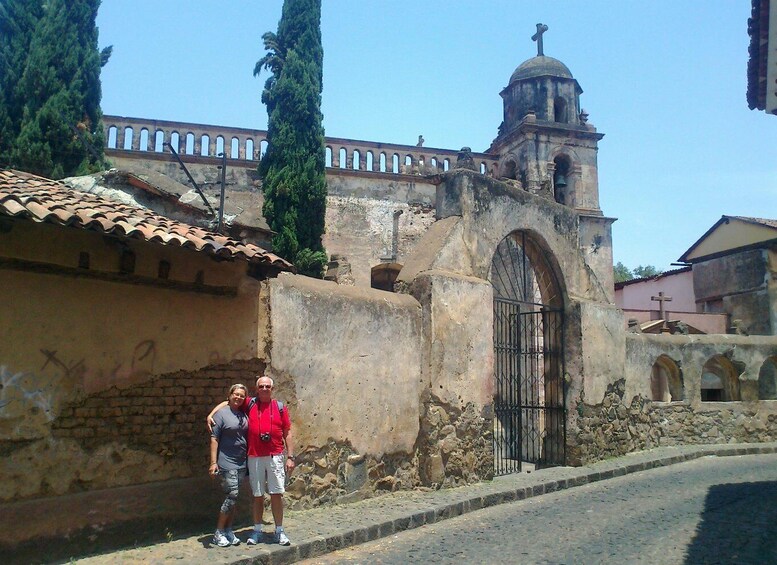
(529,399)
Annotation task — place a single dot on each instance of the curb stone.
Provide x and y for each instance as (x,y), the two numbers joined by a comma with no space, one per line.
(323,530)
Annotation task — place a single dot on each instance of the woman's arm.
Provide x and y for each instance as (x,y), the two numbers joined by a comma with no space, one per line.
(213,469)
(209,418)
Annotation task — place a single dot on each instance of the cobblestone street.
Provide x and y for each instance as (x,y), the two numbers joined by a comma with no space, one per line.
(710,510)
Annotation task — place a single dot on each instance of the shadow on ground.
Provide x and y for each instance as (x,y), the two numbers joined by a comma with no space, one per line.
(738,525)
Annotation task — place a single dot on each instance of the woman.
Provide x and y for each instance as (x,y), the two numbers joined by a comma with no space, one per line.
(228,459)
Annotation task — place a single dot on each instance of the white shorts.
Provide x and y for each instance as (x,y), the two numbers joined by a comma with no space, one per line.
(270,470)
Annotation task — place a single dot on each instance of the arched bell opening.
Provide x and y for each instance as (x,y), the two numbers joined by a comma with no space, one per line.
(561,179)
(560,113)
(530,392)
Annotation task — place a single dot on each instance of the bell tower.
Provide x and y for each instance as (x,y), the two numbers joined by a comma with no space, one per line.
(545,141)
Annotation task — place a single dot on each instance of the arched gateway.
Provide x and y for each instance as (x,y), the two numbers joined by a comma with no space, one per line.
(529,399)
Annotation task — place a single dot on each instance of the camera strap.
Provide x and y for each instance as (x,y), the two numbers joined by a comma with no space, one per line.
(255,400)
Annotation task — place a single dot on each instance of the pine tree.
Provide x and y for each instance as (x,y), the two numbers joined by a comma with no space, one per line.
(61,89)
(18,19)
(292,170)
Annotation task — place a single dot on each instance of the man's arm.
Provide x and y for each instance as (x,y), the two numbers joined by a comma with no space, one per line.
(287,439)
(209,418)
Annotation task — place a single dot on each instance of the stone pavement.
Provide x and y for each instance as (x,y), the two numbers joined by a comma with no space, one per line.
(322,530)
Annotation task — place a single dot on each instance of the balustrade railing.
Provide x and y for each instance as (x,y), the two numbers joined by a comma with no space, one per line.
(247,146)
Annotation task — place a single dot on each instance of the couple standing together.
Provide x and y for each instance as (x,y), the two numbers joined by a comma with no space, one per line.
(249,435)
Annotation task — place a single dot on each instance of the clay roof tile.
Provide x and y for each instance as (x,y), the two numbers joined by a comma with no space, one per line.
(24,195)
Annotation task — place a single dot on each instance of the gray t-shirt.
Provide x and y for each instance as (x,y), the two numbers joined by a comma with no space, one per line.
(230,431)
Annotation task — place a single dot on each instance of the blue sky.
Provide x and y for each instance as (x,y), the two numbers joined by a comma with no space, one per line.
(665,81)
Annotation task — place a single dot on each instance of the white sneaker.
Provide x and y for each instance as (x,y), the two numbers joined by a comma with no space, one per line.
(230,535)
(254,538)
(281,538)
(220,539)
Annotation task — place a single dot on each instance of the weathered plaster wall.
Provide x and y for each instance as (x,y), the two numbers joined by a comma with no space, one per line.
(353,356)
(361,229)
(348,361)
(678,286)
(743,285)
(491,210)
(65,336)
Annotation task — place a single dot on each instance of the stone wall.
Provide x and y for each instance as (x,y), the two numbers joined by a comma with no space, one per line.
(625,418)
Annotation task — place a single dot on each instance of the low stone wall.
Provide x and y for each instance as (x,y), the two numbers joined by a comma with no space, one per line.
(618,426)
(626,418)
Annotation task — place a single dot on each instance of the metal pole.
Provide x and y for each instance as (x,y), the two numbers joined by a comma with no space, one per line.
(223,189)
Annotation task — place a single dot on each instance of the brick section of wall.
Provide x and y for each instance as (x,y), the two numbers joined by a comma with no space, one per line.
(165,415)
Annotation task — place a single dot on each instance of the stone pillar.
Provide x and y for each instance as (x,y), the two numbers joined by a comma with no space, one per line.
(456,437)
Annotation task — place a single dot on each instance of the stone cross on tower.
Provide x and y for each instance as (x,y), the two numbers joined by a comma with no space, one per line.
(541,28)
(661,299)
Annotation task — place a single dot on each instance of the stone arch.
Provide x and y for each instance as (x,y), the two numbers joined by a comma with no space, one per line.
(159,141)
(328,156)
(112,135)
(128,133)
(719,380)
(189,143)
(342,157)
(383,276)
(561,173)
(666,380)
(530,395)
(510,169)
(560,110)
(175,141)
(767,379)
(249,149)
(143,140)
(234,148)
(219,151)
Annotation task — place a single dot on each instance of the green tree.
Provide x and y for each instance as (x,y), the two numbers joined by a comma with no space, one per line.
(292,170)
(18,19)
(61,91)
(622,272)
(646,272)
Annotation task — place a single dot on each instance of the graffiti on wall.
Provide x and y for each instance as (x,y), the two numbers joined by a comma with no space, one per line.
(19,395)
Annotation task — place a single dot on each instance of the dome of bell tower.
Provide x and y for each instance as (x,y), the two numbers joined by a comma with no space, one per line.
(540,66)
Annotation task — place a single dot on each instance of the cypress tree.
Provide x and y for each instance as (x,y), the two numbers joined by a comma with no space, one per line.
(61,90)
(293,169)
(18,19)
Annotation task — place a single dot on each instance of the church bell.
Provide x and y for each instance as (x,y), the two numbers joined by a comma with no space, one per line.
(561,180)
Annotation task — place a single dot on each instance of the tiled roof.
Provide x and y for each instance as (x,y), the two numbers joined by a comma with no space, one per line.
(760,221)
(23,195)
(661,275)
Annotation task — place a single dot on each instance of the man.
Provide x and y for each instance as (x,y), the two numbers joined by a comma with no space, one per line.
(269,432)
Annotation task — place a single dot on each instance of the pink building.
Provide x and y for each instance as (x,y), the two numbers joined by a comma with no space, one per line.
(671,294)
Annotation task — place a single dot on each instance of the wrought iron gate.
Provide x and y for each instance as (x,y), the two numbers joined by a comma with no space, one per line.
(529,400)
